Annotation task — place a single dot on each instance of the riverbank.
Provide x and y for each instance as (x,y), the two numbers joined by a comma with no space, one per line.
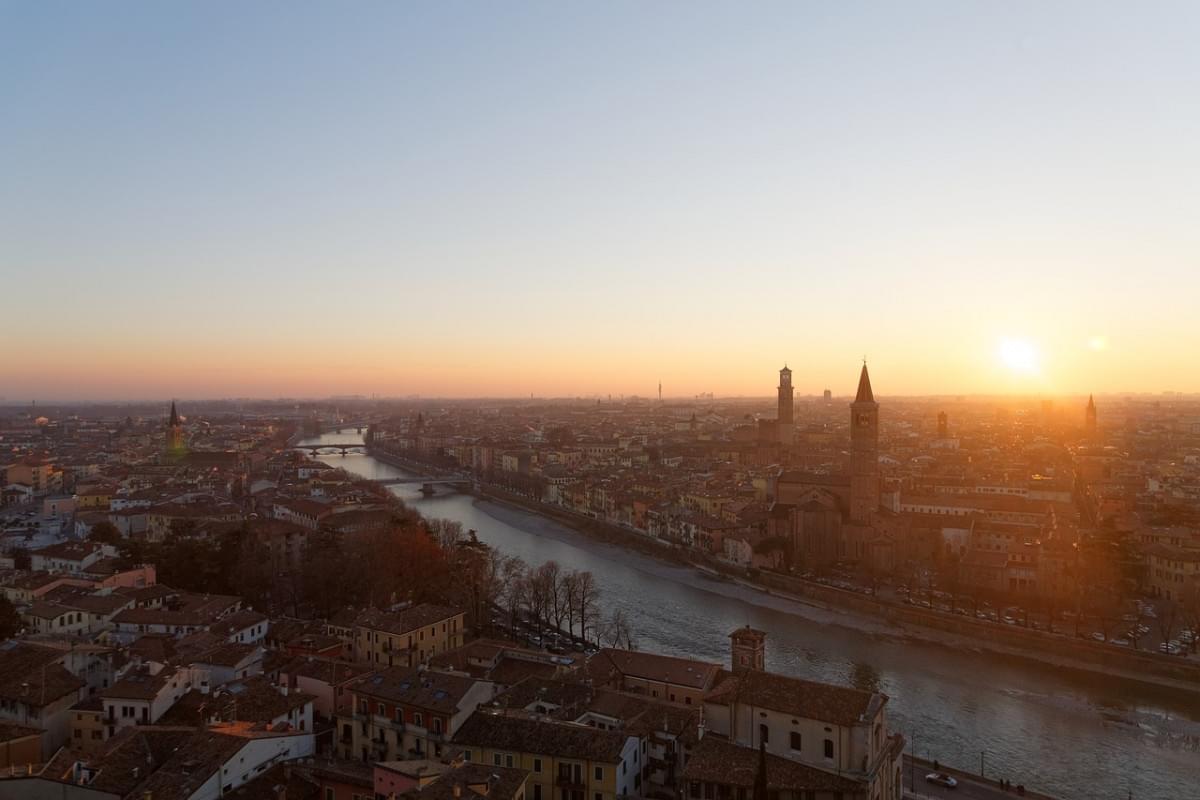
(899,621)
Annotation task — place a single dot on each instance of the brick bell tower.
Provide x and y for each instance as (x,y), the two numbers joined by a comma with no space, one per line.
(748,649)
(785,421)
(864,452)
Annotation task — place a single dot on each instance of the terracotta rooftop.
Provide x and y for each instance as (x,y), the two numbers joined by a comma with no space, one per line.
(542,736)
(718,761)
(839,705)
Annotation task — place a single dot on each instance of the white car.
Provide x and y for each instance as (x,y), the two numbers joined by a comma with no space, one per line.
(941,779)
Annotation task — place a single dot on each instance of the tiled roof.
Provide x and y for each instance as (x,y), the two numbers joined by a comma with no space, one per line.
(541,736)
(718,761)
(405,620)
(33,675)
(820,701)
(435,691)
(667,669)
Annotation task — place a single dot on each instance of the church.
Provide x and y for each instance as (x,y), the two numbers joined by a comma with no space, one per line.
(837,517)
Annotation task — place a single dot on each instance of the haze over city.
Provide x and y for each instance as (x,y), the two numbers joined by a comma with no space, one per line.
(613,400)
(457,200)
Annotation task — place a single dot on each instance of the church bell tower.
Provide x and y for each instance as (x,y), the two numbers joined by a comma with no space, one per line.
(864,452)
(174,433)
(785,421)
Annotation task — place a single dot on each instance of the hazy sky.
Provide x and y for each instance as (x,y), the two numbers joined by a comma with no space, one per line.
(213,199)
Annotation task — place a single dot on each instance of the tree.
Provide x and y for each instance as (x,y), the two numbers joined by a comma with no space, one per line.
(543,584)
(252,574)
(569,589)
(1168,619)
(10,620)
(105,532)
(21,558)
(516,590)
(616,632)
(587,594)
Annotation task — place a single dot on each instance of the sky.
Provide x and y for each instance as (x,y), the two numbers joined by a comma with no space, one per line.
(569,199)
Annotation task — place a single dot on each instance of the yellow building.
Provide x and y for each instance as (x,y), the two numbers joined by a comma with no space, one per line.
(407,637)
(87,725)
(565,760)
(94,497)
(1174,572)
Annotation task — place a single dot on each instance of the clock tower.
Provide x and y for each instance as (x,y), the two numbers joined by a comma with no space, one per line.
(864,452)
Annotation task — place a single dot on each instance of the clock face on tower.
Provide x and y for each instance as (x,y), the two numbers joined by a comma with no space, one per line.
(864,420)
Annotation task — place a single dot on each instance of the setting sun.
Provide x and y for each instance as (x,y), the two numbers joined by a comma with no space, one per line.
(1018,355)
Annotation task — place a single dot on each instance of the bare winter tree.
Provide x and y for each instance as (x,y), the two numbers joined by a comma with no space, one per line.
(447,533)
(616,632)
(553,575)
(569,589)
(587,595)
(543,583)
(515,589)
(1168,619)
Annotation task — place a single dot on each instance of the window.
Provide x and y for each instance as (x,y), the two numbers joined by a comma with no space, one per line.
(496,759)
(537,791)
(437,725)
(537,765)
(328,793)
(418,720)
(796,741)
(508,761)
(599,773)
(829,748)
(379,710)
(764,733)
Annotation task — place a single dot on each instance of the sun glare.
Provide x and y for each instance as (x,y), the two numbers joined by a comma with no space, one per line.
(1018,355)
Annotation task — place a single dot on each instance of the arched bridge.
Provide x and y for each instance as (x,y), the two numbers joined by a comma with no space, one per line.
(338,427)
(427,479)
(428,482)
(315,449)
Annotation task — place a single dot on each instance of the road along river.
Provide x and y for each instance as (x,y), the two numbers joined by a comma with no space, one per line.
(1068,733)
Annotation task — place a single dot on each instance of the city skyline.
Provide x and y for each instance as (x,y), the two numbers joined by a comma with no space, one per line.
(458,201)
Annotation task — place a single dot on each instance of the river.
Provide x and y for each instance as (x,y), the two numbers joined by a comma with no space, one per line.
(1075,735)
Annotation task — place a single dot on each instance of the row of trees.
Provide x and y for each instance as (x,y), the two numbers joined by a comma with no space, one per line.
(547,596)
(411,559)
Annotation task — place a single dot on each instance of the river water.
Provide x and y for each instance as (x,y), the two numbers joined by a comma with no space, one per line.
(1072,734)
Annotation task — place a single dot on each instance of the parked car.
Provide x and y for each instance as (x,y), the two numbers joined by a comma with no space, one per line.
(941,779)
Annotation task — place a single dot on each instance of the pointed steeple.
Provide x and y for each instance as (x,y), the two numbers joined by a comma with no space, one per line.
(865,395)
(1091,404)
(174,423)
